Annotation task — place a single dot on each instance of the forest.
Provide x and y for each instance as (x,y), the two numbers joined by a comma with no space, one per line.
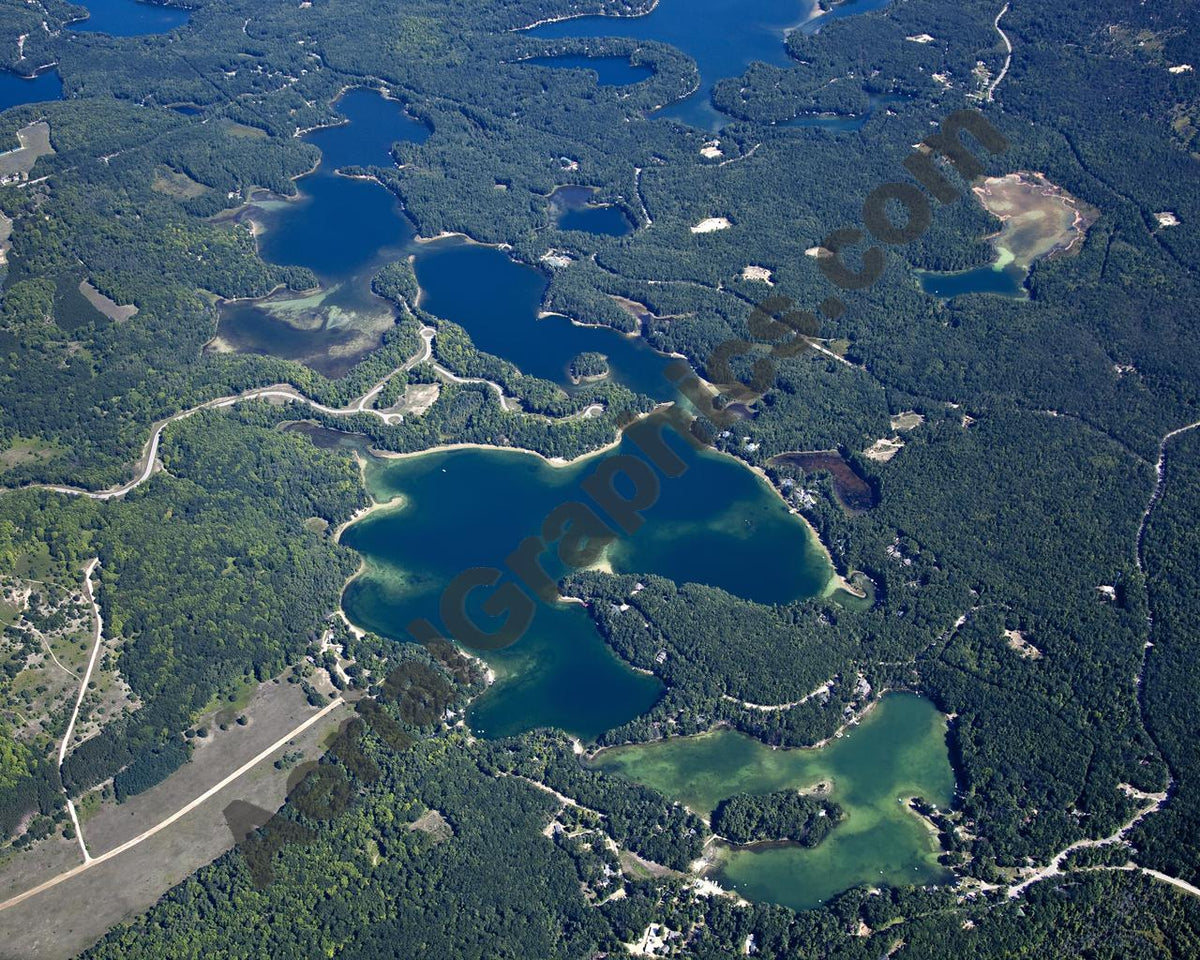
(207,573)
(1017,578)
(784,815)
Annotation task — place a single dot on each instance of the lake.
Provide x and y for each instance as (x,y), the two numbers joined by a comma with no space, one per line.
(898,751)
(847,8)
(1006,282)
(575,208)
(844,123)
(341,228)
(498,302)
(345,230)
(130,18)
(610,71)
(723,36)
(16,90)
(718,523)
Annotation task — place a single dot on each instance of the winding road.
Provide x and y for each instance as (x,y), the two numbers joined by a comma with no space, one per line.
(1007,60)
(1160,470)
(280,391)
(1054,867)
(284,391)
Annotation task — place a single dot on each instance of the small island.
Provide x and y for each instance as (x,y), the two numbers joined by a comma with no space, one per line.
(784,815)
(588,367)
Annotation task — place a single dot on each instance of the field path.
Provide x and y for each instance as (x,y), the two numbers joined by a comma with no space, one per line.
(177,815)
(83,686)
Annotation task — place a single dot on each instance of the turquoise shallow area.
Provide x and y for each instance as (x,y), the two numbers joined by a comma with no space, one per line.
(717,524)
(342,229)
(897,752)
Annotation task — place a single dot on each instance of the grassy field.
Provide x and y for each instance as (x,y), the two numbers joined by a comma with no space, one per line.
(24,450)
(110,308)
(172,183)
(65,919)
(35,143)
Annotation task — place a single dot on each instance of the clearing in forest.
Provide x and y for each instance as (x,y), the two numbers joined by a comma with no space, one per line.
(35,143)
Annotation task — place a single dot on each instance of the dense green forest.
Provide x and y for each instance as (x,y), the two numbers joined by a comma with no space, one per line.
(1171,552)
(1013,579)
(785,815)
(209,576)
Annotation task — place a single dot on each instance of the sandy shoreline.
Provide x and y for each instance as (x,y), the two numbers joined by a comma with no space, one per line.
(836,580)
(575,16)
(556,462)
(397,502)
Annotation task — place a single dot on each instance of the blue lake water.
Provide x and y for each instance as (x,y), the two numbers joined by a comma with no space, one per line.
(130,18)
(15,90)
(345,230)
(575,208)
(498,300)
(717,523)
(610,71)
(840,123)
(1007,282)
(723,36)
(341,228)
(848,8)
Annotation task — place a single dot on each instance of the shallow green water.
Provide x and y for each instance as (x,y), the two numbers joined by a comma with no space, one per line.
(716,524)
(342,229)
(345,230)
(898,751)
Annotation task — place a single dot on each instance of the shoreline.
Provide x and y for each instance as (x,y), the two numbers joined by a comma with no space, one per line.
(575,16)
(628,334)
(398,502)
(557,463)
(836,581)
(722,726)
